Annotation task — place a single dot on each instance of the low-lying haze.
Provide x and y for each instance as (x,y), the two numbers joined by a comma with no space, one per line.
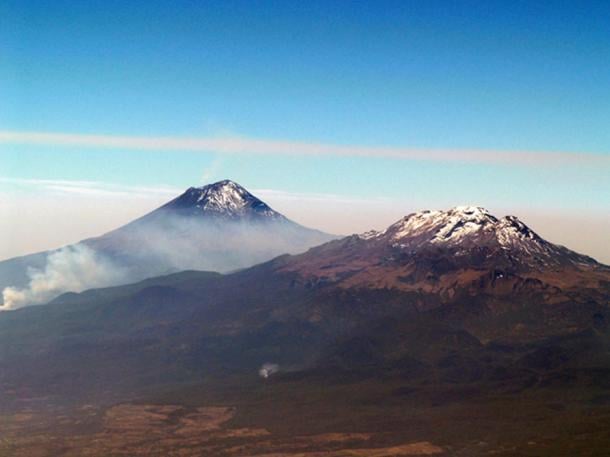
(584,230)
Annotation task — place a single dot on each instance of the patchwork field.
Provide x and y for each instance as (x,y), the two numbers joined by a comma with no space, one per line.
(304,418)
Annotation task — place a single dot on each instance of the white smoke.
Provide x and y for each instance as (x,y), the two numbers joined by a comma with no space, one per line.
(180,243)
(153,248)
(73,268)
(268,369)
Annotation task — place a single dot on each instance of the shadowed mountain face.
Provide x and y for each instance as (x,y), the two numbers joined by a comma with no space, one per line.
(218,227)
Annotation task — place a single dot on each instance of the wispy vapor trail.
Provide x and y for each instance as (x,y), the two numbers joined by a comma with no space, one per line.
(245,145)
(93,188)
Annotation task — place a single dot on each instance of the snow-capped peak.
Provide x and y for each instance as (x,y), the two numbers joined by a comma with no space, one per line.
(470,211)
(223,198)
(464,228)
(512,230)
(460,226)
(441,225)
(370,235)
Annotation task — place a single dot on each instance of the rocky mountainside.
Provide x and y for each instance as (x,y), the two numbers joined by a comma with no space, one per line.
(465,250)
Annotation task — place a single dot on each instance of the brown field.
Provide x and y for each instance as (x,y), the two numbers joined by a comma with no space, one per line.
(303,418)
(172,430)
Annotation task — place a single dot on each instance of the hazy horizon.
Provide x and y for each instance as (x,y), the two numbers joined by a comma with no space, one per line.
(101,211)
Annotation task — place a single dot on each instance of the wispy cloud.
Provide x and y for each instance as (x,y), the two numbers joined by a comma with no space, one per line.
(90,188)
(109,189)
(245,145)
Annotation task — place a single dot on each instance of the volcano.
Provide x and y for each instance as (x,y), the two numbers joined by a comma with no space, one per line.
(218,227)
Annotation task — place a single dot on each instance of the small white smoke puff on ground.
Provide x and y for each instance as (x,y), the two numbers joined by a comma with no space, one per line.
(268,369)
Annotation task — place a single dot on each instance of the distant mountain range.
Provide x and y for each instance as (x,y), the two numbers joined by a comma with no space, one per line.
(456,294)
(218,227)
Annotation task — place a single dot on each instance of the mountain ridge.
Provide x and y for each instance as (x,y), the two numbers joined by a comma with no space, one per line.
(463,252)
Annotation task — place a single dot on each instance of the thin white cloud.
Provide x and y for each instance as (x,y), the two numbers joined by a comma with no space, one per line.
(90,188)
(108,189)
(245,145)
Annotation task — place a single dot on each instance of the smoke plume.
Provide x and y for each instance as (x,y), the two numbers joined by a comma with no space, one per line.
(73,268)
(268,369)
(158,244)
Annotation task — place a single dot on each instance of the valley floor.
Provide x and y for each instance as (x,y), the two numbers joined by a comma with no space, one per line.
(313,418)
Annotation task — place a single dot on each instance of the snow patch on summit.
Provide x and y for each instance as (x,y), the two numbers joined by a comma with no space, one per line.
(414,224)
(370,235)
(464,228)
(223,198)
(441,226)
(226,196)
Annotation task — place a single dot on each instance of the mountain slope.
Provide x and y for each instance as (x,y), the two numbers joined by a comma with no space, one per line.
(406,302)
(218,227)
(445,251)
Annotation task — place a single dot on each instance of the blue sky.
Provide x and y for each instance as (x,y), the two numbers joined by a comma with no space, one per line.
(455,76)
